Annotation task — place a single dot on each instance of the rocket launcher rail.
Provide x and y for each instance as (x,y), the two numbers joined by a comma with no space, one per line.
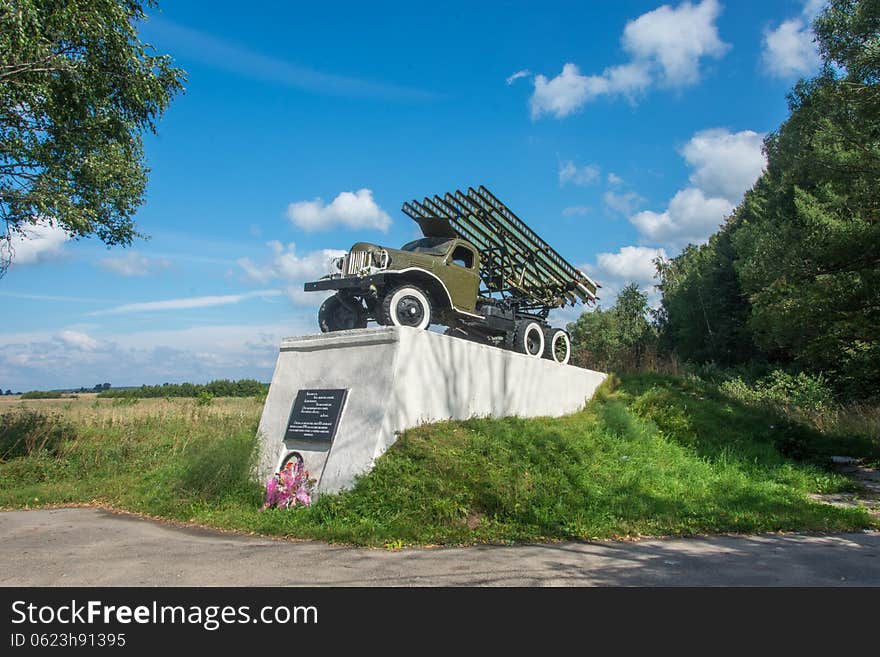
(516,262)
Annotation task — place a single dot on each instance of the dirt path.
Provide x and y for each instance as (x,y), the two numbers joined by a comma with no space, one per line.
(94,547)
(868,480)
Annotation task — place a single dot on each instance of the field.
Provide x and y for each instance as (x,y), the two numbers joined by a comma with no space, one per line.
(651,455)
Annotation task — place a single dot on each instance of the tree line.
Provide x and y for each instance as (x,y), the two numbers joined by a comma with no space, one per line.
(217,388)
(792,277)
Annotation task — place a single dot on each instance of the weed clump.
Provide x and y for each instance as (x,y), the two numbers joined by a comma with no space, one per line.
(28,432)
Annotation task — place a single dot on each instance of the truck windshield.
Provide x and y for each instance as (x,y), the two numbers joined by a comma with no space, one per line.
(430,245)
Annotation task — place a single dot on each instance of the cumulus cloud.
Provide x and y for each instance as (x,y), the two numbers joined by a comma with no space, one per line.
(34,243)
(77,340)
(291,269)
(349,209)
(789,50)
(133,263)
(674,40)
(567,92)
(665,47)
(42,360)
(725,165)
(581,176)
(630,264)
(690,217)
(614,179)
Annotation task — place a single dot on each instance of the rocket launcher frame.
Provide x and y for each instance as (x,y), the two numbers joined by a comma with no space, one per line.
(516,264)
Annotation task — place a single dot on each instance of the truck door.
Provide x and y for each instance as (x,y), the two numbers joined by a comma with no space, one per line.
(461,277)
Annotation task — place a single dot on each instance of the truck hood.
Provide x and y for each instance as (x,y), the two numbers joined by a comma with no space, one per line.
(400,259)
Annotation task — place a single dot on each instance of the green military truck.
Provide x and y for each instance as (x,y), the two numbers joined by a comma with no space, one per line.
(478,270)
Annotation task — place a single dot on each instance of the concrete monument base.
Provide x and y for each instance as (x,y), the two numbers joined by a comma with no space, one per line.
(393,378)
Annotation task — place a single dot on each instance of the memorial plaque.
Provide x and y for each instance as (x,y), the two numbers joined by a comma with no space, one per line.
(315,415)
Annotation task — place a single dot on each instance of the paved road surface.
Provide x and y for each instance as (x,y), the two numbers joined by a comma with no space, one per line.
(95,547)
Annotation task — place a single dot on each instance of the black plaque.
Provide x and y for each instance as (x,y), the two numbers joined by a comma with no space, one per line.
(315,415)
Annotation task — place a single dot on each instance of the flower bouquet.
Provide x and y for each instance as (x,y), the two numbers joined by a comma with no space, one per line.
(290,487)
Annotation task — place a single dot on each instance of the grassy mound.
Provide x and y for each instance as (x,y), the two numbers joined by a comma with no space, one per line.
(650,455)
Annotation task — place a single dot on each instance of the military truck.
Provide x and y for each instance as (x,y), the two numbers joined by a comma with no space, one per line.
(478,270)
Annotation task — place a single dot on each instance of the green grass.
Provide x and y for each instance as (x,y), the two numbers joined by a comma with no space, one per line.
(651,455)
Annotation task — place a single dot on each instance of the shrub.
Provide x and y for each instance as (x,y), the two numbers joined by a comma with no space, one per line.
(124,401)
(810,392)
(41,394)
(23,433)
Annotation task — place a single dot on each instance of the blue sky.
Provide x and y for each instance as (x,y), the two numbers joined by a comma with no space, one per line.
(619,131)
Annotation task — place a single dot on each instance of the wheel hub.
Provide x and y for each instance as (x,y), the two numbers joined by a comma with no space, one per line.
(533,344)
(410,311)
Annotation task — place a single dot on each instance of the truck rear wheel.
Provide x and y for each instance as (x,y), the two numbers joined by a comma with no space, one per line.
(335,315)
(528,339)
(558,346)
(406,305)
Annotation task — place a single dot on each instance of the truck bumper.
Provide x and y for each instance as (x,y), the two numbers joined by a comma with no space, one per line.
(344,283)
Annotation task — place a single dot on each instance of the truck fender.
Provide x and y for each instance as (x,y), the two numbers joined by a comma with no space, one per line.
(429,282)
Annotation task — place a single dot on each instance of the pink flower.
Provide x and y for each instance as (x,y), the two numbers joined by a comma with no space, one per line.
(290,486)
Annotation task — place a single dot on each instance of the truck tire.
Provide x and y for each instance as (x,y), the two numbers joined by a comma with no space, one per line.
(528,338)
(406,305)
(557,346)
(334,315)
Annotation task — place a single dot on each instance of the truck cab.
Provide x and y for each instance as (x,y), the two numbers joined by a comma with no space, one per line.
(456,263)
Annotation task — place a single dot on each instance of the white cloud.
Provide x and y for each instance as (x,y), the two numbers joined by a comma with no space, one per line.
(77,340)
(789,50)
(665,47)
(631,264)
(133,264)
(186,303)
(674,40)
(516,76)
(581,176)
(690,217)
(286,264)
(576,211)
(292,270)
(624,203)
(614,179)
(44,360)
(567,92)
(725,164)
(349,209)
(34,243)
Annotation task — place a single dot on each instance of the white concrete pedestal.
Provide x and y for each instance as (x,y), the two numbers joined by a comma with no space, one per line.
(399,378)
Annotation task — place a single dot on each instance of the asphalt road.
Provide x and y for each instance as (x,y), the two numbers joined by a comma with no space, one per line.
(94,547)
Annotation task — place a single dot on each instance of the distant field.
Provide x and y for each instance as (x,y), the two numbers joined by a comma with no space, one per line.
(7,401)
(86,408)
(652,455)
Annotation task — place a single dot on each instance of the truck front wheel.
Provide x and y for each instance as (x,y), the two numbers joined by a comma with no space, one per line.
(407,305)
(337,315)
